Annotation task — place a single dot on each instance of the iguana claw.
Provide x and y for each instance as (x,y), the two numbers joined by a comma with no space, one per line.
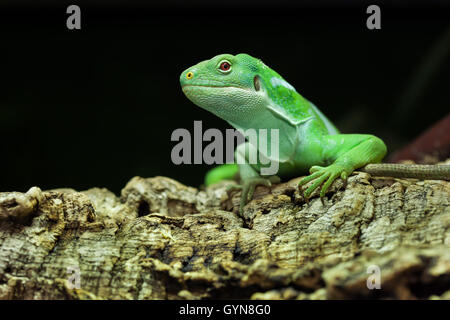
(248,188)
(325,176)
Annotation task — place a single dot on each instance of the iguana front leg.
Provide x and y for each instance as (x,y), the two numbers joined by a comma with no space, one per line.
(249,175)
(349,152)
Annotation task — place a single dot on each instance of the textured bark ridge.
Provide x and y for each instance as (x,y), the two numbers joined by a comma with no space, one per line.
(163,240)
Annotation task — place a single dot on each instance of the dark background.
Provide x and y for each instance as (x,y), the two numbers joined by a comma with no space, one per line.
(95,107)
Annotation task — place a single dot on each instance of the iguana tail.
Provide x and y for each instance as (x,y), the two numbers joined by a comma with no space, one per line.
(222,172)
(417,171)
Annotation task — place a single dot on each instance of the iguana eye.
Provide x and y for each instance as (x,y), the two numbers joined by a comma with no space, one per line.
(225,66)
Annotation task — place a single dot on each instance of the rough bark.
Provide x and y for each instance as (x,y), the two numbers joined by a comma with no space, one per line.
(163,240)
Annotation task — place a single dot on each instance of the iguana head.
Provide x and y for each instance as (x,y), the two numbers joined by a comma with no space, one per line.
(226,85)
(241,90)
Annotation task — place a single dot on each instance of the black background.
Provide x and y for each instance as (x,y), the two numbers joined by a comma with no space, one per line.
(97,106)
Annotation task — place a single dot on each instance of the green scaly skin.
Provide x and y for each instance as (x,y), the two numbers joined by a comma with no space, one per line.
(250,95)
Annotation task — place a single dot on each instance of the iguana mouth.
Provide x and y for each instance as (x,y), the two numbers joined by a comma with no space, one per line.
(212,86)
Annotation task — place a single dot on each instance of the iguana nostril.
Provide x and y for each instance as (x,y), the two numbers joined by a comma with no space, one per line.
(189,75)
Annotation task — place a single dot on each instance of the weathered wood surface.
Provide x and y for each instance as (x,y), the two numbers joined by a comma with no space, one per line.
(163,240)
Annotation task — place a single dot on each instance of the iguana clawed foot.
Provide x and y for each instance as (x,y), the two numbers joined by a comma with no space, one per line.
(248,187)
(325,176)
(321,176)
